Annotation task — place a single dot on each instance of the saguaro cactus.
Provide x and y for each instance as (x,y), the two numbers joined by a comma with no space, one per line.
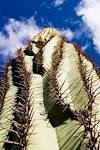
(50,97)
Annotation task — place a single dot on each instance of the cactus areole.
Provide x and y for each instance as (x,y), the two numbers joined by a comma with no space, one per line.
(50,97)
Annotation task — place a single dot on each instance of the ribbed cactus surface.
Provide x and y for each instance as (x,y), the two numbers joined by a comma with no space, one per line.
(50,97)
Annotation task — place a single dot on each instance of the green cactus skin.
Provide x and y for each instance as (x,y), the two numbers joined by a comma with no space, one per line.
(59,110)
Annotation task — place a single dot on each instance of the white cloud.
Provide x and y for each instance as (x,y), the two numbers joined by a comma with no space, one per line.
(89,10)
(17,32)
(67,33)
(58,2)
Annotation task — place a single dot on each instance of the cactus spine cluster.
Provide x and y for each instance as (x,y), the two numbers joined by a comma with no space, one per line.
(50,97)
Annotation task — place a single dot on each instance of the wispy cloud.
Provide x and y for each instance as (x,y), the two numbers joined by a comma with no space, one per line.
(67,33)
(58,2)
(15,34)
(89,12)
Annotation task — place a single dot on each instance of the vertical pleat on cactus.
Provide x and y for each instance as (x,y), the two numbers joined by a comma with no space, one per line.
(4,84)
(21,118)
(7,110)
(50,97)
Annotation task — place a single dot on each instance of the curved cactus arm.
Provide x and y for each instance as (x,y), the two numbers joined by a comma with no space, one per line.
(7,110)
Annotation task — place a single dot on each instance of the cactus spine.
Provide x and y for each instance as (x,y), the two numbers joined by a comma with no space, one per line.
(50,97)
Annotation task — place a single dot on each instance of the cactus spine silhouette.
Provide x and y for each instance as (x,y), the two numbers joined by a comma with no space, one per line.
(50,97)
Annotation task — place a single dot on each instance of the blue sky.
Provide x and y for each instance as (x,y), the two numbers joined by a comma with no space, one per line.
(77,20)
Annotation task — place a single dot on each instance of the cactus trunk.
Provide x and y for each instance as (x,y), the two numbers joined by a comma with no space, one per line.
(50,97)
